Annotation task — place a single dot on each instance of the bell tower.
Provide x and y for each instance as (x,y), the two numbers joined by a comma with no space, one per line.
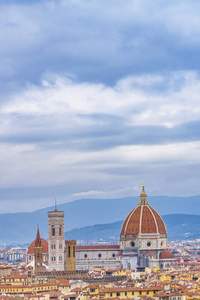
(38,254)
(70,260)
(56,239)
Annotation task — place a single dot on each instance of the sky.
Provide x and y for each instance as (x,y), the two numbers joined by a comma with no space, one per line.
(96,98)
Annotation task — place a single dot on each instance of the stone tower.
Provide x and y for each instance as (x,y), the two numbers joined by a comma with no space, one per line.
(38,254)
(70,247)
(56,239)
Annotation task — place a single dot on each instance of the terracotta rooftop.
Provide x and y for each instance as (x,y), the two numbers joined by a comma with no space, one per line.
(143,219)
(44,247)
(166,254)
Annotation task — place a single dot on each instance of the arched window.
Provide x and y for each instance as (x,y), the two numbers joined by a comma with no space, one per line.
(60,230)
(53,232)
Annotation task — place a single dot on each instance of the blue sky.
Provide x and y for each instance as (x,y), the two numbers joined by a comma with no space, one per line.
(97,98)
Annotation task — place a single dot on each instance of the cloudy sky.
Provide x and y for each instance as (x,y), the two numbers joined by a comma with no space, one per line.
(96,98)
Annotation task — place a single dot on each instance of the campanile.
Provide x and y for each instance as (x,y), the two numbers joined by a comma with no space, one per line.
(56,239)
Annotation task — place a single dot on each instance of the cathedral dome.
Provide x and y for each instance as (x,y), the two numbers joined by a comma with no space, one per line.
(44,247)
(143,219)
(166,254)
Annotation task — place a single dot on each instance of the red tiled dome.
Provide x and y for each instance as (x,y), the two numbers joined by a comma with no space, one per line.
(166,254)
(143,219)
(44,247)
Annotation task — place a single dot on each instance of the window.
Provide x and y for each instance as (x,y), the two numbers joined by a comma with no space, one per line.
(148,244)
(60,258)
(74,251)
(60,230)
(110,294)
(125,293)
(118,294)
(53,231)
(99,255)
(140,293)
(52,258)
(85,255)
(132,244)
(60,246)
(113,255)
(69,249)
(132,293)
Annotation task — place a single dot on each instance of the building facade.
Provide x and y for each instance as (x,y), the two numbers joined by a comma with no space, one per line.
(70,257)
(88,257)
(56,240)
(143,237)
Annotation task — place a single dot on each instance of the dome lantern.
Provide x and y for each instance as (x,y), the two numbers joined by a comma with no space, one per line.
(143,197)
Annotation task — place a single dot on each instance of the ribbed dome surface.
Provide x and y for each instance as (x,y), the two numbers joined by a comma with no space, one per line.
(143,219)
(44,247)
(166,254)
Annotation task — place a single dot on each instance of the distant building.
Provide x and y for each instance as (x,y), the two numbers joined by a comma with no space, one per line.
(143,243)
(143,238)
(45,251)
(56,239)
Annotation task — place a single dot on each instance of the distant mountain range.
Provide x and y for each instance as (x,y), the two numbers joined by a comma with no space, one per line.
(178,227)
(21,227)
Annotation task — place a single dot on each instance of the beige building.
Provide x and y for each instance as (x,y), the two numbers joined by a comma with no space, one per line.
(56,239)
(70,257)
(88,257)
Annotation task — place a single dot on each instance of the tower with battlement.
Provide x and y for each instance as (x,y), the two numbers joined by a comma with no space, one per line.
(70,261)
(56,239)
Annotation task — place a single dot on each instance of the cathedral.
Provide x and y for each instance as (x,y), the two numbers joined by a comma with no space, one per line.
(143,243)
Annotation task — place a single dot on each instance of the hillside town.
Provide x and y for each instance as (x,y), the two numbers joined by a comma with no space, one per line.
(144,265)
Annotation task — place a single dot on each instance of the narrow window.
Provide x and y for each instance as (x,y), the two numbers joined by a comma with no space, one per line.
(60,231)
(69,251)
(74,251)
(53,231)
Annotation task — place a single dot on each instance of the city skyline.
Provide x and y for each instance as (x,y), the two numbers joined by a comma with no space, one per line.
(98,98)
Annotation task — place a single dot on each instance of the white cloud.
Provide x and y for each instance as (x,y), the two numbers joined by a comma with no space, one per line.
(138,105)
(81,131)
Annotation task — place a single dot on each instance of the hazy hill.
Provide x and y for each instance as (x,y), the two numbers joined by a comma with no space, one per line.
(178,227)
(21,227)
